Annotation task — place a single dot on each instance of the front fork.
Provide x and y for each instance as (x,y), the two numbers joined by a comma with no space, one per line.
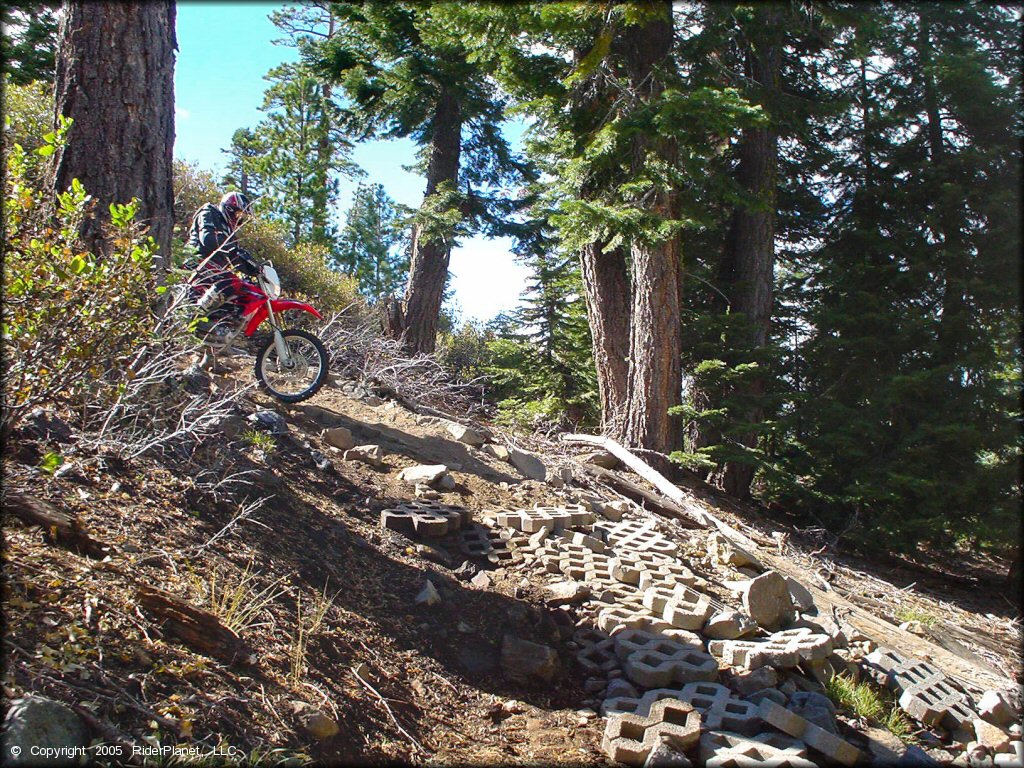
(284,354)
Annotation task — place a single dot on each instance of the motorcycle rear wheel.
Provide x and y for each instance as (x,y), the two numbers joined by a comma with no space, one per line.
(307,373)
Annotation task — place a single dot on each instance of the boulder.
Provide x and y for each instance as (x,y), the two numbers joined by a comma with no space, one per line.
(728,625)
(465,434)
(446,482)
(800,595)
(726,552)
(601,459)
(815,708)
(994,708)
(497,451)
(750,682)
(481,580)
(339,437)
(37,723)
(528,465)
(367,454)
(427,474)
(566,593)
(523,660)
(466,571)
(991,736)
(428,595)
(619,687)
(271,421)
(317,725)
(766,600)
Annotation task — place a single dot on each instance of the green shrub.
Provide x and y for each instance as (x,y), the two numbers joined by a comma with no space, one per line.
(73,320)
(542,415)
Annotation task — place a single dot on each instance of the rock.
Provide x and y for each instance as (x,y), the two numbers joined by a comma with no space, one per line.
(35,723)
(766,599)
(566,474)
(367,454)
(620,687)
(428,595)
(914,627)
(427,474)
(773,694)
(751,682)
(43,425)
(614,510)
(528,465)
(466,434)
(991,736)
(726,552)
(339,437)
(231,425)
(915,756)
(271,421)
(497,451)
(466,571)
(371,400)
(523,660)
(318,725)
(426,492)
(728,625)
(594,685)
(815,708)
(434,555)
(566,593)
(556,482)
(800,595)
(512,707)
(447,483)
(321,461)
(978,756)
(481,581)
(600,459)
(994,708)
(664,755)
(537,539)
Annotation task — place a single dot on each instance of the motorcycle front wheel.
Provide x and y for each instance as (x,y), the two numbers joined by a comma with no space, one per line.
(303,377)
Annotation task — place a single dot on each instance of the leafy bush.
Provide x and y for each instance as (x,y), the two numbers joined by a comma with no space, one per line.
(544,415)
(73,320)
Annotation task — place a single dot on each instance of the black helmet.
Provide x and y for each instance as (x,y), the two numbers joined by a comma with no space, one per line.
(233,204)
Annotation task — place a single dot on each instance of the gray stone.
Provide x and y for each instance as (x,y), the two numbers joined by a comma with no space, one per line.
(664,755)
(994,707)
(728,625)
(466,571)
(45,425)
(465,434)
(771,694)
(447,483)
(726,552)
(427,474)
(815,708)
(481,581)
(567,593)
(800,595)
(766,599)
(991,736)
(619,687)
(434,555)
(318,725)
(428,595)
(339,437)
(366,454)
(601,459)
(497,451)
(271,421)
(321,461)
(523,660)
(35,723)
(528,465)
(751,682)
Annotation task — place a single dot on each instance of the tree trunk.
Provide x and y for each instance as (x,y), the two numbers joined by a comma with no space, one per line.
(607,292)
(746,272)
(654,378)
(428,266)
(115,79)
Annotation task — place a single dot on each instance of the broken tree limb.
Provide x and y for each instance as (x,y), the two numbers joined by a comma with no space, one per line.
(198,628)
(60,527)
(658,503)
(662,483)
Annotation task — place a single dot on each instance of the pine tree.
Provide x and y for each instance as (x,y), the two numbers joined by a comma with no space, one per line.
(243,168)
(370,243)
(28,40)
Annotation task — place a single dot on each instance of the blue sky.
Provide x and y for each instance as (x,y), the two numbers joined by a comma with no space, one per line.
(225,49)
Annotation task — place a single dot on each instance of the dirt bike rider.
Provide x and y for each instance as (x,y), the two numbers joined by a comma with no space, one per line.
(213,236)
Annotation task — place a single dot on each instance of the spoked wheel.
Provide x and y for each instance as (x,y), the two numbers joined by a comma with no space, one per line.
(301,377)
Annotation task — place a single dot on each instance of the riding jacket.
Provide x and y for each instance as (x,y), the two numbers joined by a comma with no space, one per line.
(211,236)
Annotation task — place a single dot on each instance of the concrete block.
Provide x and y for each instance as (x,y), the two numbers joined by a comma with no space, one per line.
(423,518)
(730,750)
(654,661)
(828,744)
(668,574)
(683,608)
(782,650)
(637,535)
(630,739)
(720,710)
(596,652)
(924,692)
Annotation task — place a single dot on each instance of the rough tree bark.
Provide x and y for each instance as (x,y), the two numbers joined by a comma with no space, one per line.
(115,79)
(746,271)
(654,377)
(607,292)
(416,319)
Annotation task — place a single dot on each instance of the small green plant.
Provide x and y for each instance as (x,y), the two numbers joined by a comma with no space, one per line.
(260,440)
(915,614)
(238,601)
(868,702)
(307,625)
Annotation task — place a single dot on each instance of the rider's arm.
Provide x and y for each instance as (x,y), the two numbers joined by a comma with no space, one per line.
(243,261)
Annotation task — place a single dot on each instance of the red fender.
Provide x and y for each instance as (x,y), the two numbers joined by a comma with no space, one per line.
(279,305)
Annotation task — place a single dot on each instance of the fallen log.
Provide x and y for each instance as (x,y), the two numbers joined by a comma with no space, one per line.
(197,628)
(659,481)
(59,526)
(630,489)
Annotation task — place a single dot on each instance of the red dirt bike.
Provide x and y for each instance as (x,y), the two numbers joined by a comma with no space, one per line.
(292,363)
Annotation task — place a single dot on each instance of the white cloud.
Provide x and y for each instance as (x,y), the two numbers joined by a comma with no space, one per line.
(181,113)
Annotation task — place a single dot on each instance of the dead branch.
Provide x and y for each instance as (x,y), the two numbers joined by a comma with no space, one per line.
(657,503)
(196,627)
(391,714)
(60,527)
